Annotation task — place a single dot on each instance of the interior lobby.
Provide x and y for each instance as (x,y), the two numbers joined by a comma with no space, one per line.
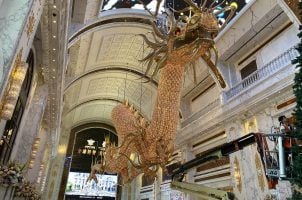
(150,99)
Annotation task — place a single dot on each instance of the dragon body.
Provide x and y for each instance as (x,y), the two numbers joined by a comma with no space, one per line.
(144,146)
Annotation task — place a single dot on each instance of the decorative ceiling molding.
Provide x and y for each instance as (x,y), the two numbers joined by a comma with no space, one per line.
(89,101)
(113,68)
(94,124)
(112,17)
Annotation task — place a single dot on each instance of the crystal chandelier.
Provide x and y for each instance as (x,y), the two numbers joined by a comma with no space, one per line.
(144,146)
(16,79)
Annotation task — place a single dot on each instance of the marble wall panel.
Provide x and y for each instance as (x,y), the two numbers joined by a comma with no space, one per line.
(12,17)
(57,165)
(247,171)
(18,23)
(31,126)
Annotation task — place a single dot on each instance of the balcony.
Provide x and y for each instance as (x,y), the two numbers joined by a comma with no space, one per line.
(277,64)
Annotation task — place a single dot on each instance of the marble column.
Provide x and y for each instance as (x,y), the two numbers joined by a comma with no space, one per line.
(138,185)
(157,183)
(248,176)
(265,123)
(187,155)
(57,165)
(124,192)
(233,130)
(135,187)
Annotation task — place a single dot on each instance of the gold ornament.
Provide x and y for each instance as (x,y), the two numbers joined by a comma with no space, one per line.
(259,170)
(146,146)
(237,174)
(30,25)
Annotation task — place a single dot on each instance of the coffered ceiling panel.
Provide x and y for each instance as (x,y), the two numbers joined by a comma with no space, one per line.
(94,111)
(78,55)
(104,69)
(113,85)
(118,44)
(100,110)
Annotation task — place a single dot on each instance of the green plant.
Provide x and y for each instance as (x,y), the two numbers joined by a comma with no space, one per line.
(28,191)
(11,174)
(297,150)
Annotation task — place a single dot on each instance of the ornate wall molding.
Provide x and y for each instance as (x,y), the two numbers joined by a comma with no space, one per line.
(259,171)
(237,174)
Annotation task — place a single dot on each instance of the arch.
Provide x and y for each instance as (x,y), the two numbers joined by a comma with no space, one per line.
(112,17)
(110,69)
(71,143)
(12,126)
(92,100)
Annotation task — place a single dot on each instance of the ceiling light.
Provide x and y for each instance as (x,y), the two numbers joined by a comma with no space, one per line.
(54,49)
(54,36)
(54,6)
(54,21)
(53,60)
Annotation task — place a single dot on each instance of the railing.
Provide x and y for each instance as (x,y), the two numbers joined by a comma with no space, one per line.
(165,186)
(273,66)
(278,162)
(147,192)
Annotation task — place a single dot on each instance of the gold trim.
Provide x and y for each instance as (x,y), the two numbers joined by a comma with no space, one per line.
(259,171)
(30,25)
(237,174)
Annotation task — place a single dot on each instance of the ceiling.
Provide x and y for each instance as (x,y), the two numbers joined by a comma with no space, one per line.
(104,69)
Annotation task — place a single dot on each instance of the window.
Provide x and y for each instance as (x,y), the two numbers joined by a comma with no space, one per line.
(248,69)
(147,180)
(12,126)
(246,74)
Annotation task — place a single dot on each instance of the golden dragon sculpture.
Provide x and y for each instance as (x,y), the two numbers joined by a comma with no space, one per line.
(146,146)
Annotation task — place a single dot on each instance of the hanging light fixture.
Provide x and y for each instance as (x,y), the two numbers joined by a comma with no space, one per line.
(14,87)
(144,146)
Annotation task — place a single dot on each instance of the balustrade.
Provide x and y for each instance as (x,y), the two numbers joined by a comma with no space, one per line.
(270,68)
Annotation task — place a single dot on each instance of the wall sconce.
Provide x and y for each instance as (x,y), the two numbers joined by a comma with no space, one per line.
(34,153)
(40,174)
(14,87)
